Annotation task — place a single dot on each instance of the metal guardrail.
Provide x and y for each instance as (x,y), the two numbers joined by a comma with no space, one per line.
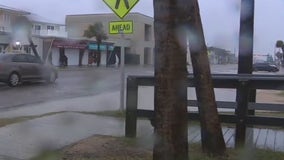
(233,81)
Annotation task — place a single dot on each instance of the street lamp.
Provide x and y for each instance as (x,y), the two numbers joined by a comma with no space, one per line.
(18,45)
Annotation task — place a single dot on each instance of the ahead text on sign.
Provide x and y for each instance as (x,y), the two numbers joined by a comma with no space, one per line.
(125,27)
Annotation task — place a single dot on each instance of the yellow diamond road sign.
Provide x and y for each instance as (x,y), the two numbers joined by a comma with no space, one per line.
(121,7)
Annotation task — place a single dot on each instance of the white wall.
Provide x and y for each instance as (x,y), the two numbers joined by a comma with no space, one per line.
(55,56)
(103,58)
(85,58)
(73,56)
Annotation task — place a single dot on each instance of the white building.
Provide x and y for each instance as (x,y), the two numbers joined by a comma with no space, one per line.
(41,28)
(7,17)
(44,27)
(139,45)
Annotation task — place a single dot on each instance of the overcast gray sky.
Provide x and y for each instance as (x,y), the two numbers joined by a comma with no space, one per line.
(220,18)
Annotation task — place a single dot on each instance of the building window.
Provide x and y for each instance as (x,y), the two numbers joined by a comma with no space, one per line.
(147,32)
(147,55)
(27,49)
(6,17)
(50,27)
(37,27)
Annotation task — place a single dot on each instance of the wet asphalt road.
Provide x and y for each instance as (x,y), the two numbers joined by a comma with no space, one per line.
(71,83)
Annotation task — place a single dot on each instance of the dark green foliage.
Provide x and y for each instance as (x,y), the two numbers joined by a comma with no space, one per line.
(96,30)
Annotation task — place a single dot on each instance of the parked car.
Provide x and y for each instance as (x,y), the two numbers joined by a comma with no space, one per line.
(20,67)
(264,66)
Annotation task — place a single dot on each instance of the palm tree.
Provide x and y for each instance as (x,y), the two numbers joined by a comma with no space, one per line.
(280,44)
(170,91)
(279,55)
(96,30)
(212,138)
(172,19)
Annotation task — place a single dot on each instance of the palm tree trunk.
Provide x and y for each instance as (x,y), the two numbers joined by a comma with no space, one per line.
(33,46)
(212,137)
(99,54)
(170,98)
(81,55)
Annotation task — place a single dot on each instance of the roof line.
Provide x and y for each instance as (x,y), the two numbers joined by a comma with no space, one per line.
(13,9)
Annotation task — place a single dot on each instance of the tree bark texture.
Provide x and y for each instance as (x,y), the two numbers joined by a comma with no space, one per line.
(81,55)
(98,56)
(212,137)
(171,141)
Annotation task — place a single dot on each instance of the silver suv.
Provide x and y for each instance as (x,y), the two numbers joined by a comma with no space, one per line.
(19,67)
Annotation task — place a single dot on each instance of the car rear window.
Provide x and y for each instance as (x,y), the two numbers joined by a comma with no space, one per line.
(20,58)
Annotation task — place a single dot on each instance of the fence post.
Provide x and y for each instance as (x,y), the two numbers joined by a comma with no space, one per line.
(131,107)
(241,112)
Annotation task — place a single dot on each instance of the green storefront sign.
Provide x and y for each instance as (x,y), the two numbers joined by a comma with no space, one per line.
(103,47)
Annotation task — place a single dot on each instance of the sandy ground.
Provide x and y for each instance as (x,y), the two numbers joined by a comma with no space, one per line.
(270,96)
(106,148)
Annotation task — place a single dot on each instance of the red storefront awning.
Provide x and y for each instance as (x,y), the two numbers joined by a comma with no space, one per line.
(71,44)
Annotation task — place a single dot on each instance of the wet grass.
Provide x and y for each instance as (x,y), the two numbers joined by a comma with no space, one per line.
(116,113)
(122,114)
(281,93)
(8,121)
(270,114)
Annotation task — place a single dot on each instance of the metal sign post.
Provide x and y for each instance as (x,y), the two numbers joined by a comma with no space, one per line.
(122,71)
